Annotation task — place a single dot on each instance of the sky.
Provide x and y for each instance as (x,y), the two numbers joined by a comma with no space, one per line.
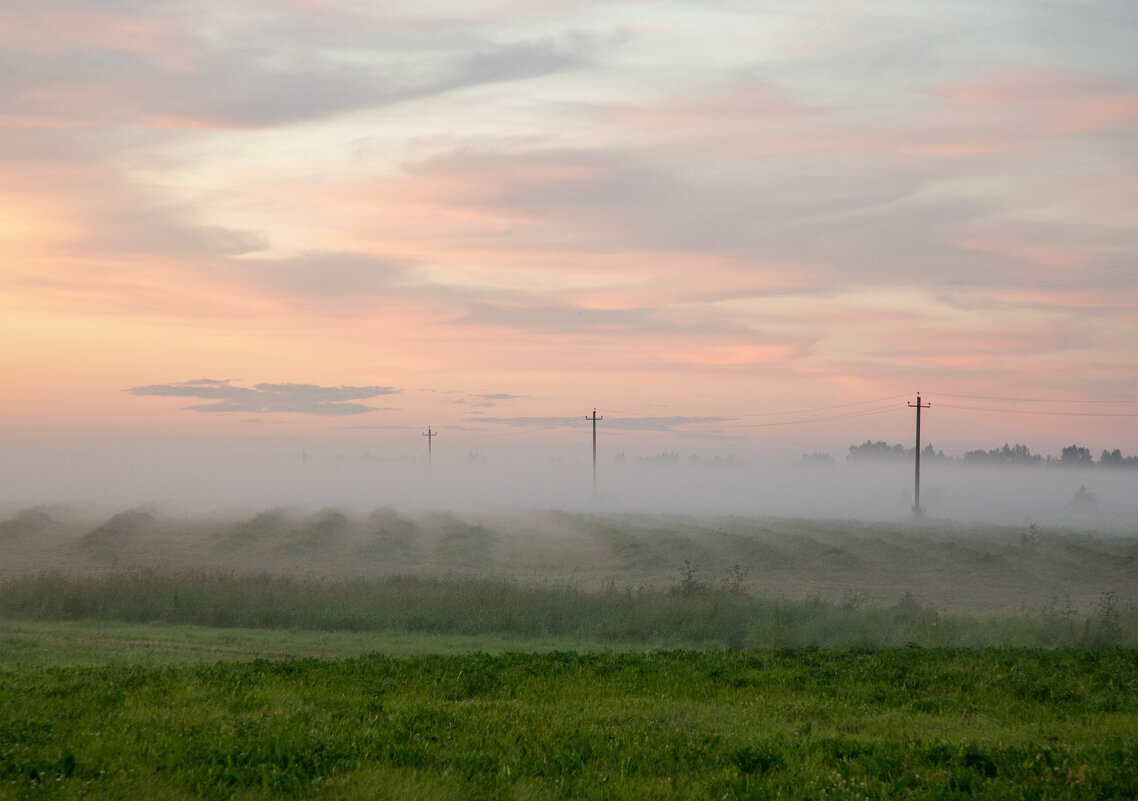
(731,228)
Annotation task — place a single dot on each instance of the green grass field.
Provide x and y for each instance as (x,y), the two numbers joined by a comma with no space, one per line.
(715,724)
(143,657)
(25,644)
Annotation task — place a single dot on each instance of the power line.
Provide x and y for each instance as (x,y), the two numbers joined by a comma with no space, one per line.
(1031,400)
(1040,413)
(825,408)
(847,416)
(484,432)
(804,421)
(788,412)
(805,417)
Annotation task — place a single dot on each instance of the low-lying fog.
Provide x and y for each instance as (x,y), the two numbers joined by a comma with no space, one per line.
(992,539)
(204,480)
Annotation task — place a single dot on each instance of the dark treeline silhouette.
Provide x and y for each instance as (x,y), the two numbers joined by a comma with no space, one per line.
(1013,455)
(1116,459)
(878,450)
(1076,455)
(869,451)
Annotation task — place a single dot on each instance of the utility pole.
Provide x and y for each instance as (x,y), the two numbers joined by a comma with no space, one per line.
(594,418)
(917,469)
(429,435)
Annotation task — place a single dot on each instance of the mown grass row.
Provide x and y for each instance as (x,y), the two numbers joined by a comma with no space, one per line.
(689,614)
(713,724)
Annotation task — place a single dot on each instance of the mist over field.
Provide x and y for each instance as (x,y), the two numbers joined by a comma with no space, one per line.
(208,477)
(990,538)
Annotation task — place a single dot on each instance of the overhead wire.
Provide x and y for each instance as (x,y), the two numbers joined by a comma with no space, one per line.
(1037,413)
(485,432)
(826,419)
(1033,400)
(779,413)
(723,420)
(807,416)
(825,408)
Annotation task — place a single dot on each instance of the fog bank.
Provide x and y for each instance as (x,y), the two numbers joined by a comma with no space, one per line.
(208,478)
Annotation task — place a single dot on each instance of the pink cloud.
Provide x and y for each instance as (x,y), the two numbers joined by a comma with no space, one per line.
(1041,101)
(662,279)
(1065,298)
(1015,248)
(1098,114)
(25,23)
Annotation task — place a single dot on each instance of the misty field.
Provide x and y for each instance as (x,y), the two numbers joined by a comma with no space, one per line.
(645,580)
(293,654)
(939,565)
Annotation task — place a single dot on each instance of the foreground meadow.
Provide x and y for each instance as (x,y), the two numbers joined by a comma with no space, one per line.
(299,655)
(752,724)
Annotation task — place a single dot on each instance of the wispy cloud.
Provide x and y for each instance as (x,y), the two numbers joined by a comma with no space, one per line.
(261,69)
(715,200)
(225,396)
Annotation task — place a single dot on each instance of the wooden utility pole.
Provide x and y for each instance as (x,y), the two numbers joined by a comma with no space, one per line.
(594,418)
(917,464)
(430,435)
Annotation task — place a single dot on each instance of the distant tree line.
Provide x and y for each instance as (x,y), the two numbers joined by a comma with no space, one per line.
(1072,455)
(1115,459)
(872,451)
(1010,455)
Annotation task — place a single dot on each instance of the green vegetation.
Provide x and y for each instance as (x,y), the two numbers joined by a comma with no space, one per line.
(691,613)
(952,568)
(25,644)
(538,658)
(718,724)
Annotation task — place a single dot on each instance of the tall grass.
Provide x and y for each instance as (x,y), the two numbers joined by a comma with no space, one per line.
(688,614)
